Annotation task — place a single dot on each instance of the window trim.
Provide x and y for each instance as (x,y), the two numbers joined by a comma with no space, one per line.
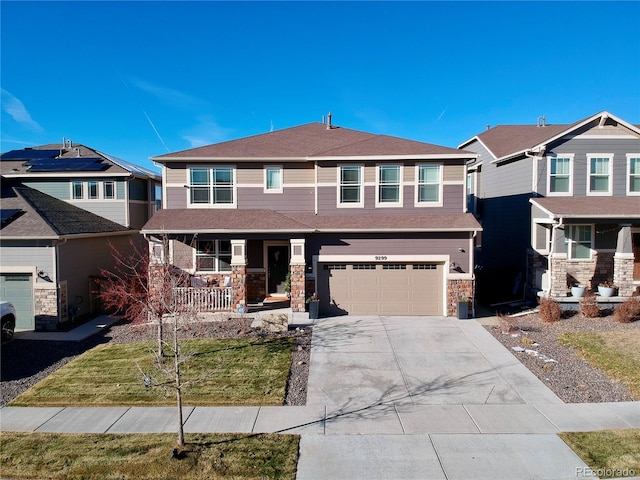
(557,156)
(379,203)
(339,202)
(210,204)
(215,255)
(609,192)
(73,190)
(113,190)
(568,241)
(631,156)
(424,203)
(266,178)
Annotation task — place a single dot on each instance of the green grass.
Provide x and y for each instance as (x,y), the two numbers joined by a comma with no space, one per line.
(225,372)
(617,353)
(104,456)
(610,453)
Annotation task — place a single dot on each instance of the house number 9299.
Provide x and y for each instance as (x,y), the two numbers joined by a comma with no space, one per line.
(380,257)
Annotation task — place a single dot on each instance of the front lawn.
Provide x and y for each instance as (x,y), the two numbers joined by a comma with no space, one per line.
(223,371)
(617,353)
(609,453)
(105,456)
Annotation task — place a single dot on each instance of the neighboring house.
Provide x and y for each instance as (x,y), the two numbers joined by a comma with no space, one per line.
(559,204)
(371,223)
(61,208)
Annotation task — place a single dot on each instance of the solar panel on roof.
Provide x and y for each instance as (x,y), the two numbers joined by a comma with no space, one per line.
(29,153)
(8,214)
(60,161)
(69,167)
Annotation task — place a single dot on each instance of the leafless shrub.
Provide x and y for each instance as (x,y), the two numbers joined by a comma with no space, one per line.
(550,310)
(589,307)
(627,311)
(506,323)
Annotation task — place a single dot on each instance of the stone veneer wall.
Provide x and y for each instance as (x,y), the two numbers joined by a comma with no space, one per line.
(298,288)
(457,289)
(45,302)
(239,282)
(256,286)
(623,275)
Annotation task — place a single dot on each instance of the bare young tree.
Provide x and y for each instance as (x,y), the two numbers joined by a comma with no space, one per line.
(144,288)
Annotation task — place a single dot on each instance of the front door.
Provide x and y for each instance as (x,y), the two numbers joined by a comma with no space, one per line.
(277,269)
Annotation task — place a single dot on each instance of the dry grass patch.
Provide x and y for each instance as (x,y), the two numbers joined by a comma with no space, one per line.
(609,453)
(617,353)
(227,372)
(104,456)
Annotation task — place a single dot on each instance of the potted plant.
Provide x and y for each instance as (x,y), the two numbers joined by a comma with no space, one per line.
(287,284)
(606,289)
(314,305)
(578,290)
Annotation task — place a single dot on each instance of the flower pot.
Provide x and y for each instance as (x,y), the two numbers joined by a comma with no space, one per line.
(314,310)
(578,291)
(606,291)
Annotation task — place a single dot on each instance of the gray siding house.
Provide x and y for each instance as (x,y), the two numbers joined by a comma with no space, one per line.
(559,204)
(62,206)
(372,224)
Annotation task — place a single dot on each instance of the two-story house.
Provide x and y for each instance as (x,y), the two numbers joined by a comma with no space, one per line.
(559,204)
(62,206)
(372,224)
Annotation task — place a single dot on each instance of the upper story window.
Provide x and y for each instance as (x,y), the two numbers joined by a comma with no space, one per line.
(93,190)
(429,188)
(212,186)
(109,190)
(389,185)
(599,174)
(273,179)
(633,184)
(559,175)
(350,186)
(579,239)
(213,256)
(77,190)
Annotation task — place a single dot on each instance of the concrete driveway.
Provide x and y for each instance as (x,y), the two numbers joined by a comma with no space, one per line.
(372,361)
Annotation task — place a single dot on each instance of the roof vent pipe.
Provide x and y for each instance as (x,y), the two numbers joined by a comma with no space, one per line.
(542,121)
(329,126)
(488,127)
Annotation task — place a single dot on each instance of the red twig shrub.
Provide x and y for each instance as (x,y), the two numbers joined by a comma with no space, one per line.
(589,307)
(550,310)
(627,311)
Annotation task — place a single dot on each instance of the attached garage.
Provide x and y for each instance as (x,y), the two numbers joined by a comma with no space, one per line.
(381,288)
(17,288)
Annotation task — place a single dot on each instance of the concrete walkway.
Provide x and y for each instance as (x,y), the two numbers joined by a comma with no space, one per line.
(392,398)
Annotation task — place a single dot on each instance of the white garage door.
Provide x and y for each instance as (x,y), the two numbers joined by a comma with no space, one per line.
(18,289)
(380,289)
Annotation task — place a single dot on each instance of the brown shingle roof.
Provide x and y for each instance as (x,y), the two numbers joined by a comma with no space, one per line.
(591,207)
(246,221)
(504,140)
(310,140)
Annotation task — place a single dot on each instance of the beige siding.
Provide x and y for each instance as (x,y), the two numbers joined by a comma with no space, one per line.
(176,174)
(250,175)
(327,173)
(299,174)
(453,173)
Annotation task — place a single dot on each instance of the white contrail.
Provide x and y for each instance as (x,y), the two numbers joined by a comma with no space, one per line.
(14,107)
(445,109)
(155,130)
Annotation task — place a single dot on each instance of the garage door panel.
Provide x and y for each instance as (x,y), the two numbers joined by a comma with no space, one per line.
(18,289)
(381,289)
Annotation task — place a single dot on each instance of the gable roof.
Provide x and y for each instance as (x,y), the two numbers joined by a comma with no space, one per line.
(189,220)
(14,164)
(37,215)
(505,142)
(313,141)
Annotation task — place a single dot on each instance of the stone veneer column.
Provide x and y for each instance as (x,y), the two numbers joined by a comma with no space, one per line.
(239,274)
(623,261)
(457,289)
(45,303)
(298,275)
(558,264)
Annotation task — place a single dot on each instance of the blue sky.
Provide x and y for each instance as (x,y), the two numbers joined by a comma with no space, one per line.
(139,79)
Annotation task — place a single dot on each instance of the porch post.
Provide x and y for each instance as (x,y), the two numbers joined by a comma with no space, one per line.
(623,262)
(297,269)
(239,273)
(558,263)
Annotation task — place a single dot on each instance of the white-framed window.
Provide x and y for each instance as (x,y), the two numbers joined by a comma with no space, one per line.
(633,169)
(389,186)
(599,178)
(560,174)
(578,239)
(350,186)
(109,190)
(93,190)
(541,236)
(213,255)
(212,186)
(429,185)
(273,179)
(77,190)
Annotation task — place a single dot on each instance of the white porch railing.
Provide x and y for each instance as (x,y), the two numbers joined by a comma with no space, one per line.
(205,299)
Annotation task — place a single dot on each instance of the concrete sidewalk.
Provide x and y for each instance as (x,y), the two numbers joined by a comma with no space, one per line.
(390,398)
